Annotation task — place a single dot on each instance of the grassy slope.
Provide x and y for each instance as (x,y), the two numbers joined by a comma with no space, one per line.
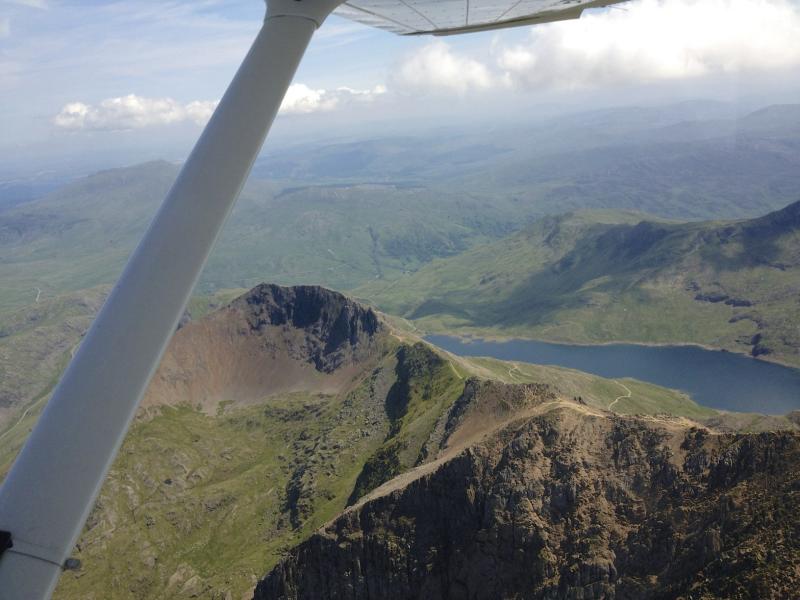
(645,398)
(198,504)
(35,345)
(600,277)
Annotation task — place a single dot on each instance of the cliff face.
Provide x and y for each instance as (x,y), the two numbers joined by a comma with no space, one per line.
(569,502)
(335,327)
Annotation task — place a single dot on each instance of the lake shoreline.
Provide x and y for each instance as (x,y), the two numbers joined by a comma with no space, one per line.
(500,338)
(714,378)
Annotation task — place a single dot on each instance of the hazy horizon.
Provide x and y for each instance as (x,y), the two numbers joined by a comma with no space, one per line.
(89,87)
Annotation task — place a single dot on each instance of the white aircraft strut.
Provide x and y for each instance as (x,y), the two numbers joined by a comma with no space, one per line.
(52,487)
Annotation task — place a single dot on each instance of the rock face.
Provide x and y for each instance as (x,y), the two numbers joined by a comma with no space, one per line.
(336,327)
(569,502)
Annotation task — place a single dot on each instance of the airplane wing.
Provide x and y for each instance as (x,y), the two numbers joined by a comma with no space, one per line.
(449,17)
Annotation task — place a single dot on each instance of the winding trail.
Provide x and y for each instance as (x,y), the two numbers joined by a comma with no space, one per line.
(515,367)
(38,294)
(455,371)
(22,417)
(618,398)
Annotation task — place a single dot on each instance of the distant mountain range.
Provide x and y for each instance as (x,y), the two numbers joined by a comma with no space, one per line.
(599,277)
(692,160)
(341,235)
(343,214)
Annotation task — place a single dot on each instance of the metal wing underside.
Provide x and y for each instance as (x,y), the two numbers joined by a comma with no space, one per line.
(448,17)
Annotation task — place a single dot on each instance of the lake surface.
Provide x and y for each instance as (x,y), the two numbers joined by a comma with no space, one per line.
(713,378)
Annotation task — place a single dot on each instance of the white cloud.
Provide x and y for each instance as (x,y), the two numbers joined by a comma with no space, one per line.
(129,112)
(136,112)
(657,40)
(436,67)
(637,42)
(301,99)
(200,111)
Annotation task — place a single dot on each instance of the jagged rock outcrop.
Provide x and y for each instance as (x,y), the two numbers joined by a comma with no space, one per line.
(336,327)
(570,503)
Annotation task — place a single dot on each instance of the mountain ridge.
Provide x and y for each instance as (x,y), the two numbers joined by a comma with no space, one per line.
(581,278)
(568,503)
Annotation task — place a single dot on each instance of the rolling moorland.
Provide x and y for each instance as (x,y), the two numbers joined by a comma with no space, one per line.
(594,277)
(273,413)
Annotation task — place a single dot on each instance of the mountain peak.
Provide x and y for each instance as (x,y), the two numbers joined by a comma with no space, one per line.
(271,340)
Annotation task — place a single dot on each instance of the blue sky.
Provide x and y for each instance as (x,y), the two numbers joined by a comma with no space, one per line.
(136,79)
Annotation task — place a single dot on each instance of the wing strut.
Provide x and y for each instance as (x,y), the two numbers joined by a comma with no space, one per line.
(51,489)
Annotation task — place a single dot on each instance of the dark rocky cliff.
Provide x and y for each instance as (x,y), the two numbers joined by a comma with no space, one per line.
(570,503)
(333,323)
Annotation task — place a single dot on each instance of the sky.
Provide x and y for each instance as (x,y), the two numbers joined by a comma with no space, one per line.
(106,83)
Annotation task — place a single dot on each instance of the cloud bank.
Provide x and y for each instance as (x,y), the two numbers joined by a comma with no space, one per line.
(436,67)
(636,42)
(652,40)
(136,112)
(131,112)
(301,99)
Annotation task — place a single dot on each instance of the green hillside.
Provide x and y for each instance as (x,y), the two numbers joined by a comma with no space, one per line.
(200,505)
(600,277)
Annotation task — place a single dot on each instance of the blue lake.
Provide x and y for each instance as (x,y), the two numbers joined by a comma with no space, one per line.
(713,378)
